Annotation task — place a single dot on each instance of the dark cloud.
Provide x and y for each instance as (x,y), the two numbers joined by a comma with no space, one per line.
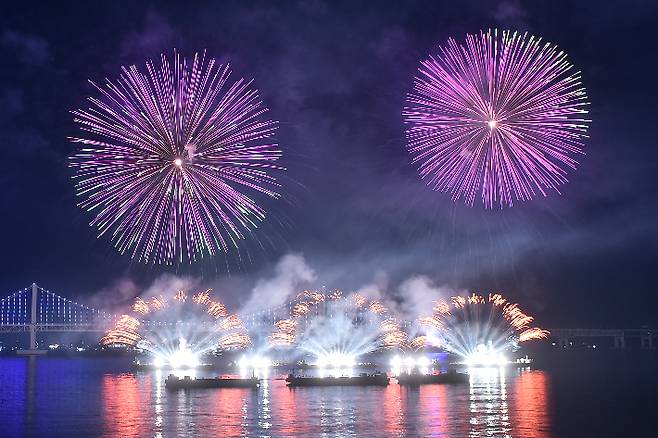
(20,139)
(29,49)
(11,103)
(314,7)
(511,14)
(155,37)
(20,143)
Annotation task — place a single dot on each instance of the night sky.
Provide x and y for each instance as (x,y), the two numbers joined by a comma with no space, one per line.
(335,74)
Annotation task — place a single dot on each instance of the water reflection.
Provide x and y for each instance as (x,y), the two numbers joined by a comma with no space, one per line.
(292,411)
(158,387)
(264,416)
(488,409)
(530,404)
(336,415)
(14,399)
(514,406)
(80,400)
(435,401)
(232,411)
(125,406)
(392,411)
(31,419)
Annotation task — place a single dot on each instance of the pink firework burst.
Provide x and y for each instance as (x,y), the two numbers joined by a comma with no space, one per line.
(174,160)
(503,115)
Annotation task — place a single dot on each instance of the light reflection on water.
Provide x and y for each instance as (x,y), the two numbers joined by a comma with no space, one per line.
(531,417)
(495,403)
(488,410)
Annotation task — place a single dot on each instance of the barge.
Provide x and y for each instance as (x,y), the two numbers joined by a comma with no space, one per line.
(174,382)
(363,379)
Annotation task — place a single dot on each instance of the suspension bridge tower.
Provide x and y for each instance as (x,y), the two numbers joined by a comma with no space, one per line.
(33,324)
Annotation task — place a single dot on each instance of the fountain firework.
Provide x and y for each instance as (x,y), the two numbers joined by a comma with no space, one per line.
(336,329)
(178,329)
(476,327)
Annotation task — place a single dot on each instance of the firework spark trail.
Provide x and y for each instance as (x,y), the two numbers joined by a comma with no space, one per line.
(300,309)
(337,294)
(234,341)
(141,306)
(125,332)
(281,339)
(286,325)
(503,114)
(202,297)
(431,321)
(463,323)
(174,160)
(217,309)
(418,342)
(159,303)
(231,322)
(223,331)
(286,328)
(180,296)
(534,333)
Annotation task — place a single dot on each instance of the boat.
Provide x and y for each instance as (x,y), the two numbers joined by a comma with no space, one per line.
(363,379)
(416,379)
(175,382)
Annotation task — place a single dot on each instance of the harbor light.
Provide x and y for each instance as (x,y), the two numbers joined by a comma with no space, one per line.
(255,362)
(336,359)
(183,357)
(410,363)
(158,362)
(258,365)
(485,356)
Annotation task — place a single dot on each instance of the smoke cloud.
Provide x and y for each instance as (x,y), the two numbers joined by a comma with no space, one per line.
(418,294)
(290,274)
(167,284)
(120,295)
(114,297)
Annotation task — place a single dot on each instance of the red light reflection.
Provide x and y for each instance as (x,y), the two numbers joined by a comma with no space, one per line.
(124,405)
(530,413)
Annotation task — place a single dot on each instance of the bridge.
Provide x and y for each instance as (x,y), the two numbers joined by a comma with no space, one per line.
(564,337)
(35,309)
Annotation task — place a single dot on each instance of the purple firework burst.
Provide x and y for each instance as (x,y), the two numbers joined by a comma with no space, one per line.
(502,115)
(175,160)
